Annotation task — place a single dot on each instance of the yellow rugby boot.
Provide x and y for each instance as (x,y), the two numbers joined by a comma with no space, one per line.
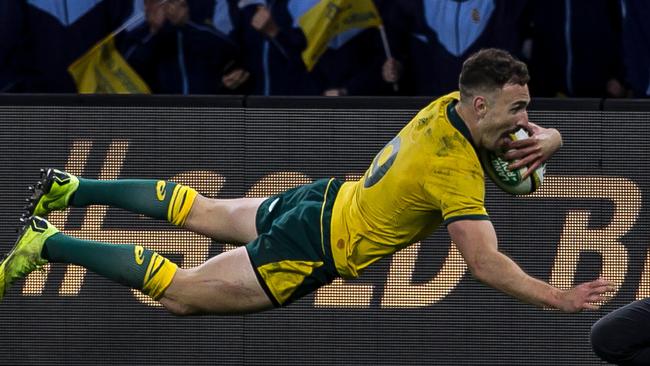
(52,192)
(26,254)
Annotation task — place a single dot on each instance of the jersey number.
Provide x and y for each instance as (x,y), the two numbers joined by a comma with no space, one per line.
(382,162)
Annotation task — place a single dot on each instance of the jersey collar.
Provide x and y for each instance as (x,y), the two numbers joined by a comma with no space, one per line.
(458,123)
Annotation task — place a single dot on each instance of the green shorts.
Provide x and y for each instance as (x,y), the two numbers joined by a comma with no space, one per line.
(292,256)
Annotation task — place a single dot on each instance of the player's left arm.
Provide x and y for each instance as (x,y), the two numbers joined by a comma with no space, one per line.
(477,242)
(536,150)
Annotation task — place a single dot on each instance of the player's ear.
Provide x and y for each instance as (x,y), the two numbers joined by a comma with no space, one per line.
(480,106)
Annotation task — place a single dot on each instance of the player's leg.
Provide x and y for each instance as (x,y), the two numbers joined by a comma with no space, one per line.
(622,336)
(225,220)
(225,284)
(288,260)
(57,190)
(229,220)
(40,242)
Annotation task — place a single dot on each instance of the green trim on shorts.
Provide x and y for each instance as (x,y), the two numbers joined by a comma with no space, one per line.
(292,255)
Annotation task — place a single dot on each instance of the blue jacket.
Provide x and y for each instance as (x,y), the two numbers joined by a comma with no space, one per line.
(636,46)
(575,47)
(41,38)
(188,59)
(354,64)
(352,60)
(275,65)
(432,38)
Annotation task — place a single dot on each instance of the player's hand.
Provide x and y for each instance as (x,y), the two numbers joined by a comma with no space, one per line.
(391,71)
(235,78)
(616,89)
(159,11)
(335,92)
(586,296)
(263,22)
(535,150)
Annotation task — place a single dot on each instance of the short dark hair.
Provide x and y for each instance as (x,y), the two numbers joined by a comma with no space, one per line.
(490,69)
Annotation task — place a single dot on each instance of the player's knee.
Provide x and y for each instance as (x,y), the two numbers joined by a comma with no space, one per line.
(178,308)
(605,343)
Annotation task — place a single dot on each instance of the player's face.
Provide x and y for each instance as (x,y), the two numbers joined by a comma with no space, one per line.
(505,113)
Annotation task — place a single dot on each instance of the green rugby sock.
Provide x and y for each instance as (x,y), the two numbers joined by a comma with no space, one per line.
(129,265)
(154,198)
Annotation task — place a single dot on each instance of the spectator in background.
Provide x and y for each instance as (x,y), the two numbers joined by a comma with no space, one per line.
(39,39)
(636,46)
(432,38)
(184,48)
(352,63)
(272,47)
(576,48)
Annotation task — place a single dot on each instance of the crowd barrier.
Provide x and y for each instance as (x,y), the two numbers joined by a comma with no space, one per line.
(419,307)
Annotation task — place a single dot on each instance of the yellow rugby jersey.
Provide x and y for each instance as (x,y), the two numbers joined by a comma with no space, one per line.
(428,174)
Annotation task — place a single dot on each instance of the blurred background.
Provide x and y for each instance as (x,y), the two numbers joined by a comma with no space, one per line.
(574,48)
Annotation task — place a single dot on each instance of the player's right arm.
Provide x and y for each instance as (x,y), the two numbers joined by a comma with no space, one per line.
(477,242)
(534,151)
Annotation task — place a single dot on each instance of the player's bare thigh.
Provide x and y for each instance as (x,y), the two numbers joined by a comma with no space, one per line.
(225,220)
(225,284)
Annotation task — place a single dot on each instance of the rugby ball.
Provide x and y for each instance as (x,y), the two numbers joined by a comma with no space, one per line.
(511,181)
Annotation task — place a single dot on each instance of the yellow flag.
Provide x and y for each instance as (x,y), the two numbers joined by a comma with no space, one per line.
(103,70)
(331,17)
